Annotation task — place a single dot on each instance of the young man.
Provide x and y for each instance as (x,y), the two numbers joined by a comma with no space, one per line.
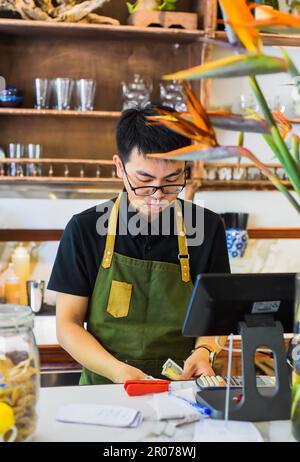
(127,267)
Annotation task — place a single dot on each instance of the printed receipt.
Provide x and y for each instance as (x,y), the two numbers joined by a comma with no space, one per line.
(93,414)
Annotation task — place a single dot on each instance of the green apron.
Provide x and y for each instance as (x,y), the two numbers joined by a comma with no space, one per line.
(138,307)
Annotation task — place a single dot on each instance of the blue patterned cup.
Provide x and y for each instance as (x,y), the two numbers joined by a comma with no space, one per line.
(237,240)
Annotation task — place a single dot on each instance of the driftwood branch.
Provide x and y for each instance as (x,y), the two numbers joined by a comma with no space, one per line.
(62,11)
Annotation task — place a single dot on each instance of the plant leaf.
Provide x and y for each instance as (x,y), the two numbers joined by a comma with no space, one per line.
(271,20)
(186,123)
(198,152)
(283,123)
(176,127)
(268,16)
(237,122)
(293,71)
(241,13)
(232,66)
(295,148)
(280,30)
(198,112)
(201,152)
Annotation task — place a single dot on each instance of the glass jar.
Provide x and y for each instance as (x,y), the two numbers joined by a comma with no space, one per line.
(295,414)
(136,93)
(19,373)
(171,95)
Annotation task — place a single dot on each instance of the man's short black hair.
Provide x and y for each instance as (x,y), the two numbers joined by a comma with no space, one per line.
(133,131)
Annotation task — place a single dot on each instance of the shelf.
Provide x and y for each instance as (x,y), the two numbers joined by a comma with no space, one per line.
(59,188)
(25,28)
(45,235)
(274,233)
(48,161)
(32,112)
(235,185)
(46,180)
(288,40)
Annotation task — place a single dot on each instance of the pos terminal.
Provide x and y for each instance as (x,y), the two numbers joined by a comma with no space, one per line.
(259,307)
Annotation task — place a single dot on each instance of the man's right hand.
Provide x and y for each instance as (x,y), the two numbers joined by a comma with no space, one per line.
(127,372)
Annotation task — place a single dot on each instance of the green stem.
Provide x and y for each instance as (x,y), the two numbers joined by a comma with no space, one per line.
(261,100)
(293,71)
(295,149)
(240,140)
(272,177)
(290,164)
(281,151)
(282,188)
(273,146)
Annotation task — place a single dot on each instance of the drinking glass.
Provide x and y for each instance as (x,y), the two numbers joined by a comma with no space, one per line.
(247,101)
(278,104)
(15,151)
(43,89)
(33,151)
(63,88)
(85,94)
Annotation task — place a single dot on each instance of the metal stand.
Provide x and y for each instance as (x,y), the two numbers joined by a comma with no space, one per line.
(270,403)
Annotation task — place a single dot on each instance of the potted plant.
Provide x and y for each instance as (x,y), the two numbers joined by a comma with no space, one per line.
(248,59)
(160,13)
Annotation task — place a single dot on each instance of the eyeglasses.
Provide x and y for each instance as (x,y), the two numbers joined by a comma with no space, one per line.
(150,190)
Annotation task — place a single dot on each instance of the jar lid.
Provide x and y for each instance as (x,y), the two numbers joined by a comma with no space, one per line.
(15,316)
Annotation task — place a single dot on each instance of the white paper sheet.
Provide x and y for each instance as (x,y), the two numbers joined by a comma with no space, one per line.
(167,406)
(93,414)
(210,430)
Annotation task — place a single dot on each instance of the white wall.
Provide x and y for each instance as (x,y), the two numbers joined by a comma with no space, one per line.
(268,208)
(40,213)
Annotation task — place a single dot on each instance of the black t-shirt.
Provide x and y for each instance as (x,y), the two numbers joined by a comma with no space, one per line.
(81,247)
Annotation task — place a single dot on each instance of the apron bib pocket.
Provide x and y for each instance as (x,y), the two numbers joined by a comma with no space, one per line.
(119,299)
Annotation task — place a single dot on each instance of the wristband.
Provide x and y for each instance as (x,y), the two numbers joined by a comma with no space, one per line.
(212,353)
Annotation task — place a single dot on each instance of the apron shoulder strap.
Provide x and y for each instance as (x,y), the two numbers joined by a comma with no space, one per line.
(183,255)
(111,234)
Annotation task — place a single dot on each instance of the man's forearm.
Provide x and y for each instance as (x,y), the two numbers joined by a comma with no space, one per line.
(87,351)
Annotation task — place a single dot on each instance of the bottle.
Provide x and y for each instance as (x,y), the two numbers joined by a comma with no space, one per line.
(2,283)
(12,293)
(295,414)
(21,262)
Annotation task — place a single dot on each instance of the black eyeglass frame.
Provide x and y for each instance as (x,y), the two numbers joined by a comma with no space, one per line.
(156,188)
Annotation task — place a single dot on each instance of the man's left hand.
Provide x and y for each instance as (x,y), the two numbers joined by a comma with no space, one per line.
(197,364)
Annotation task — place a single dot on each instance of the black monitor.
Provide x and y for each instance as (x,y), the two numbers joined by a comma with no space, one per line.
(220,301)
(260,307)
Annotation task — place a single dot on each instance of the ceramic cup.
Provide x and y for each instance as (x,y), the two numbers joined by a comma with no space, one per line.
(237,240)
